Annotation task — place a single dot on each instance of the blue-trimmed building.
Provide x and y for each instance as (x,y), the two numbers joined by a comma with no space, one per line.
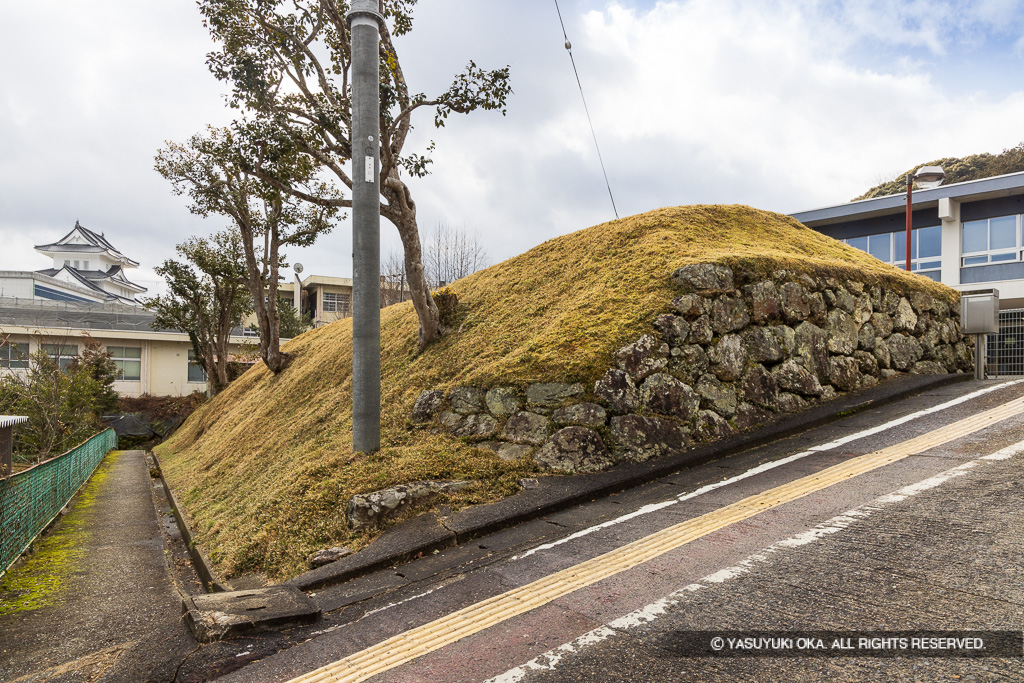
(966,235)
(86,269)
(83,298)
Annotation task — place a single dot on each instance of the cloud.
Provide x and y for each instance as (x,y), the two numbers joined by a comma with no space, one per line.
(783,104)
(81,121)
(716,101)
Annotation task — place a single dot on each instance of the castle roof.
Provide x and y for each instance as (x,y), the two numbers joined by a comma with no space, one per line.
(85,241)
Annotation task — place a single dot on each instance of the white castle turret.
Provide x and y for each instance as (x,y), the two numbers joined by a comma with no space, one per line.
(85,259)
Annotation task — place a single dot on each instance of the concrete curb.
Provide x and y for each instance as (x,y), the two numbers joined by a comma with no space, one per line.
(426,533)
(218,616)
(203,567)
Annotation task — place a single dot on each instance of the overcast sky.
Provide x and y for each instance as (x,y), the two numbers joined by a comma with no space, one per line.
(780,104)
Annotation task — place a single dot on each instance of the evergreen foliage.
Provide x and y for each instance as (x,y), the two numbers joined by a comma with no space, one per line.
(211,171)
(206,299)
(292,324)
(958,170)
(288,66)
(63,405)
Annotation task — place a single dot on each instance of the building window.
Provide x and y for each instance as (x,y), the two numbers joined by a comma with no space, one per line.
(14,355)
(891,247)
(879,246)
(993,240)
(76,264)
(128,360)
(335,302)
(196,373)
(64,354)
(85,265)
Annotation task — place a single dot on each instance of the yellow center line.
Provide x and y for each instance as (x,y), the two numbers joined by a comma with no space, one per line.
(475,618)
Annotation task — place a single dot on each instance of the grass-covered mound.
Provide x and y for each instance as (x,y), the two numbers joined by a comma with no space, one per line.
(266,469)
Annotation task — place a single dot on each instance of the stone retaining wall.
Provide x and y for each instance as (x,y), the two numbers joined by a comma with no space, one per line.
(735,351)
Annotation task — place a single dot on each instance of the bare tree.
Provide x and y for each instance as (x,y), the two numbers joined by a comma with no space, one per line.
(394,283)
(452,254)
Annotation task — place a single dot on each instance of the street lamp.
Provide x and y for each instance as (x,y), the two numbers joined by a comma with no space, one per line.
(927,177)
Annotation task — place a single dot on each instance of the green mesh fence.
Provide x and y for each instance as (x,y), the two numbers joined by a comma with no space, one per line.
(31,499)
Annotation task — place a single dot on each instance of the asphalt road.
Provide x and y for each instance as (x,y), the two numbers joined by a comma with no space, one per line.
(892,519)
(817,532)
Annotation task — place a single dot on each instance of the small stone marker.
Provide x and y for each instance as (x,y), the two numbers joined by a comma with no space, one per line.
(216,616)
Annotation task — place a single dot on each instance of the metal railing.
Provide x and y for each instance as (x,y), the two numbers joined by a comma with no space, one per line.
(1004,350)
(31,499)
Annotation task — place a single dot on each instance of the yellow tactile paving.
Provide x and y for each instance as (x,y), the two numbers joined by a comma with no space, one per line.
(422,640)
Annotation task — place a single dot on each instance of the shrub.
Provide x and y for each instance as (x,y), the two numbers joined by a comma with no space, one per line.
(63,405)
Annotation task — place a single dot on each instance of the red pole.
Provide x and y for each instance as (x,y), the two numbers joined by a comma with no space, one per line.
(910,192)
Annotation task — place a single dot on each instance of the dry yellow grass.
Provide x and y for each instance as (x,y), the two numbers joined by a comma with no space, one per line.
(266,469)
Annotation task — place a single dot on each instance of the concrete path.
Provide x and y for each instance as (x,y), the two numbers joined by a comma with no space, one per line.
(95,601)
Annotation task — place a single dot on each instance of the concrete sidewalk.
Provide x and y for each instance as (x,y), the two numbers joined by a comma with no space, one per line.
(95,601)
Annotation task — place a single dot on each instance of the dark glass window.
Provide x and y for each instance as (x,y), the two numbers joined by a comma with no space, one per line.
(128,360)
(14,355)
(196,373)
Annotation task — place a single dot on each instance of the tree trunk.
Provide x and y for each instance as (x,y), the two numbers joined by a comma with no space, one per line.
(206,354)
(267,317)
(270,325)
(226,300)
(221,351)
(402,212)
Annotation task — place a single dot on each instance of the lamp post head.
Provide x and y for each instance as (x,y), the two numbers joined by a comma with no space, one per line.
(369,9)
(929,176)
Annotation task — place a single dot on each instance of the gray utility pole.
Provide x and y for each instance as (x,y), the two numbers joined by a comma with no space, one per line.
(363,20)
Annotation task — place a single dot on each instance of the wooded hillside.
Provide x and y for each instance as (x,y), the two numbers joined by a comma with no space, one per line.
(958,170)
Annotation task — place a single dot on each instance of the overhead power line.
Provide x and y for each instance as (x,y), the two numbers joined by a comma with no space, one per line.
(568,48)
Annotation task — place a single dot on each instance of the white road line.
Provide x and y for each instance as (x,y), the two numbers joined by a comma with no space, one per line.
(654,507)
(330,629)
(549,660)
(402,602)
